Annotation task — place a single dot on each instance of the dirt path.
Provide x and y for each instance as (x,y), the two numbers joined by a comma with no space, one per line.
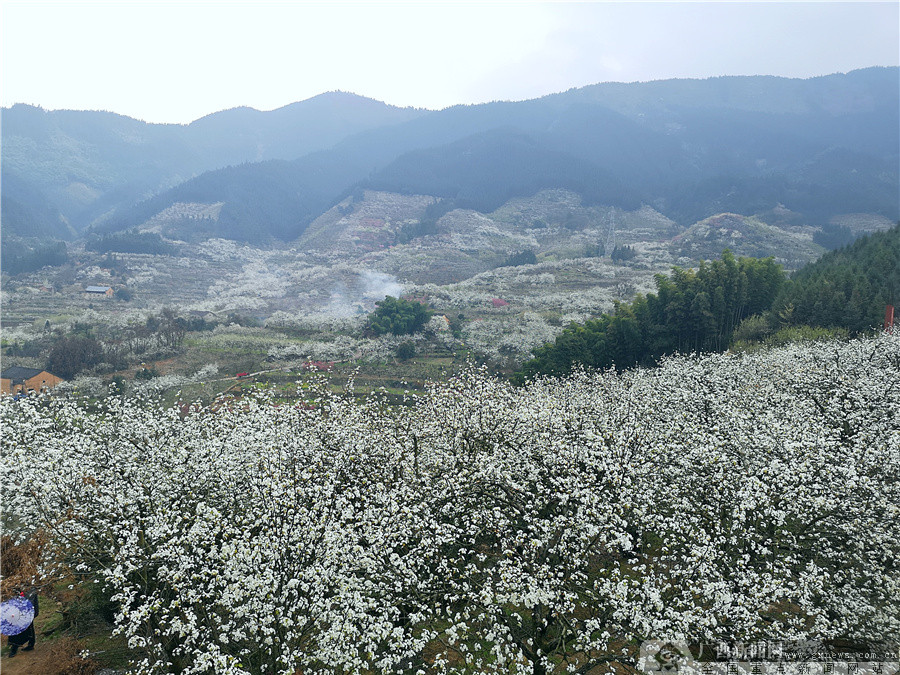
(57,655)
(38,662)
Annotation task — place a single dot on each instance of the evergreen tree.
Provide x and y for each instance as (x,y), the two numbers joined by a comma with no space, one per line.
(397,316)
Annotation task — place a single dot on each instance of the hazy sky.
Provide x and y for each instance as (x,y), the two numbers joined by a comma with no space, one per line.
(177,61)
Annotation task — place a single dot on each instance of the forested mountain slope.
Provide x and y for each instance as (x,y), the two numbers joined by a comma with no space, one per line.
(820,148)
(90,163)
(847,288)
(688,148)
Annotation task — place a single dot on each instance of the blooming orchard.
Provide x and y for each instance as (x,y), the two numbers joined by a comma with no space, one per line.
(485,528)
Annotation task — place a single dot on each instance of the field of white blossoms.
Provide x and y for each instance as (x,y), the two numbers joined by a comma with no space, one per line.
(483,528)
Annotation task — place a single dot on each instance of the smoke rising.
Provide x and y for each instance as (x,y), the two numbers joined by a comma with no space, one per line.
(370,287)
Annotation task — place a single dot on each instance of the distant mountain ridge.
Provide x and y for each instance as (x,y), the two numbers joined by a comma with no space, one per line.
(91,163)
(820,148)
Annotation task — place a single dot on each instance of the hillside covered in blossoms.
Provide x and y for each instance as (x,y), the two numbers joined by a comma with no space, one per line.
(481,527)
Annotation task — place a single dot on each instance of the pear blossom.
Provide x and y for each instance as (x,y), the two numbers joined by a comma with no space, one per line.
(482,527)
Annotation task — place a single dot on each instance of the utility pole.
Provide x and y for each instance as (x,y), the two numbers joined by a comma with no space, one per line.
(610,236)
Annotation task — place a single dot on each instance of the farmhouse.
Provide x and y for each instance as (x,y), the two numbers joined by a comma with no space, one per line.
(99,290)
(16,379)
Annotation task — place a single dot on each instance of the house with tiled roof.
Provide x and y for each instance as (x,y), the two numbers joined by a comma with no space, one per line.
(99,290)
(19,380)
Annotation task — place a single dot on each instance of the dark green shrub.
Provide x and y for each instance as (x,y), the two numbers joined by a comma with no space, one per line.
(406,350)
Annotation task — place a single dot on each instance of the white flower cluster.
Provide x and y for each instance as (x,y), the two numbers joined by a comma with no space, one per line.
(583,285)
(83,385)
(256,280)
(509,340)
(222,250)
(485,528)
(157,385)
(344,348)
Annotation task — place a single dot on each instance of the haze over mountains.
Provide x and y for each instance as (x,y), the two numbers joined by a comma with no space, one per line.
(690,149)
